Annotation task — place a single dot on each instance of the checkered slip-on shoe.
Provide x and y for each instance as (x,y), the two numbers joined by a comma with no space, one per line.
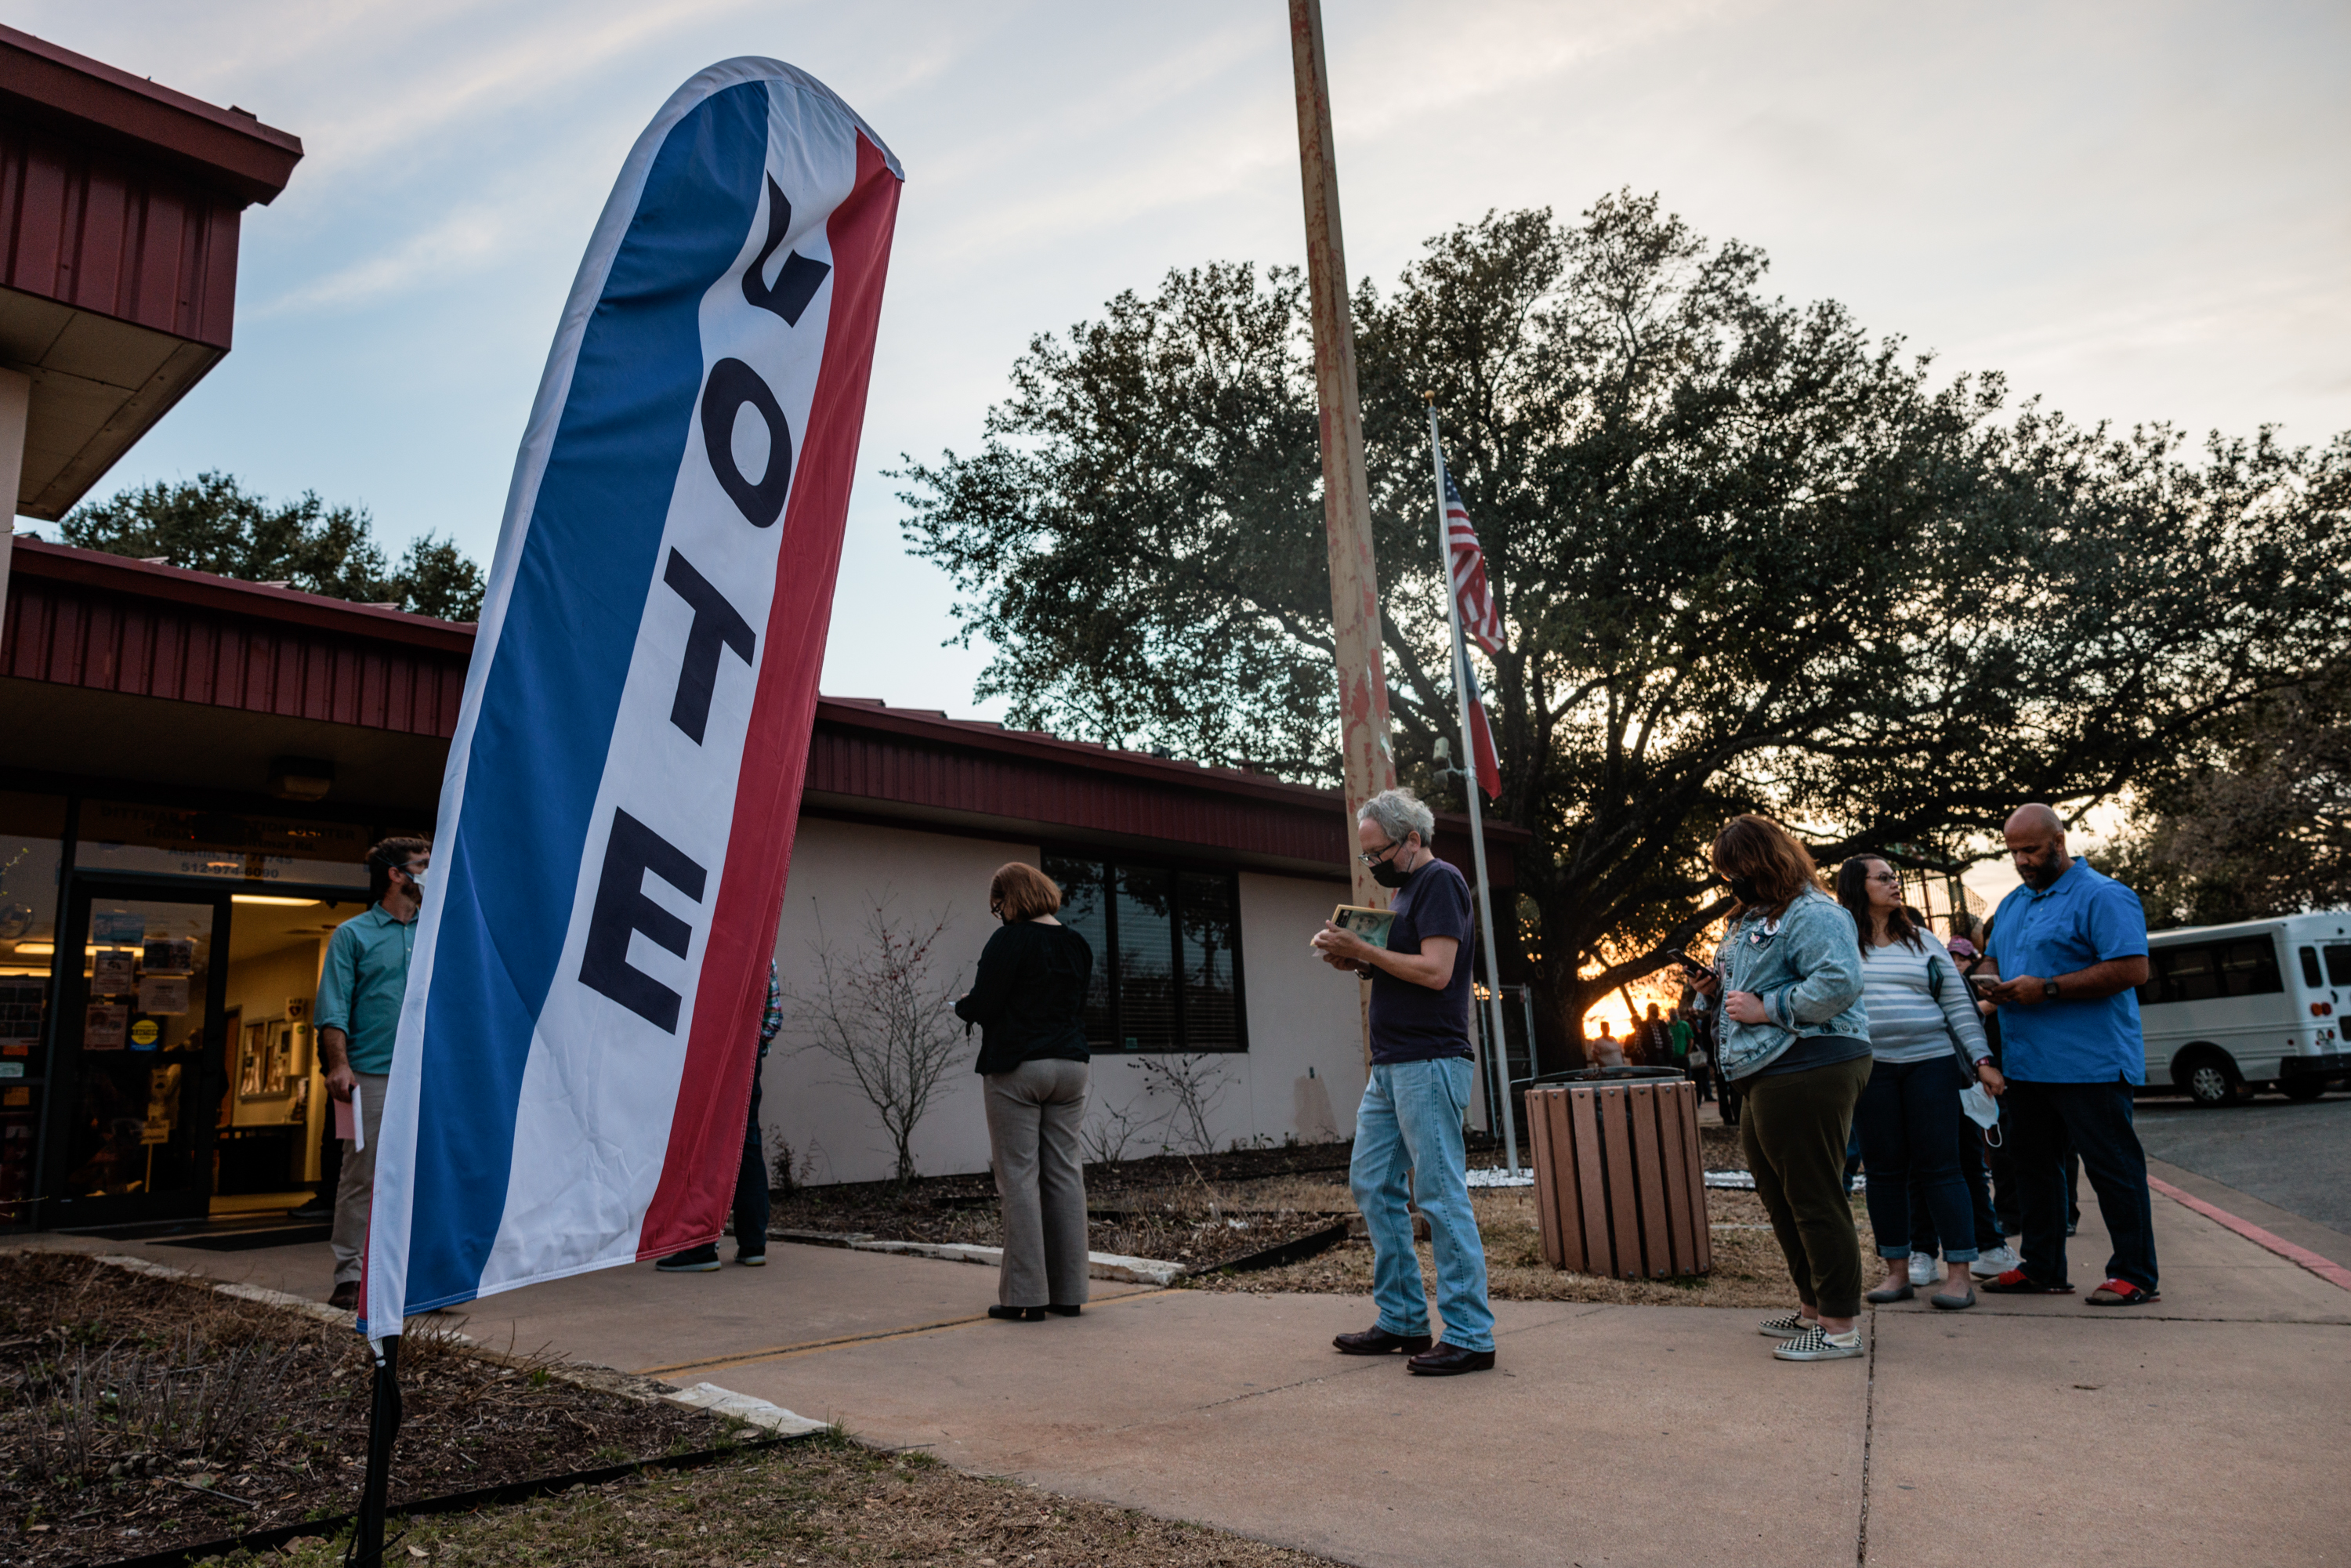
(1783,1326)
(1817,1345)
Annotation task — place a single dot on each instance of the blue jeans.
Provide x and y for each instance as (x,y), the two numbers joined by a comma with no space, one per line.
(1909,1121)
(1409,1127)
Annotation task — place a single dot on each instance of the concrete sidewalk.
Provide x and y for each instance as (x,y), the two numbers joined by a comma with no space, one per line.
(2211,1428)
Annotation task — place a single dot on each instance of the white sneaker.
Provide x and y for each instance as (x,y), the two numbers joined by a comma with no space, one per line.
(1991,1265)
(1818,1344)
(1924,1269)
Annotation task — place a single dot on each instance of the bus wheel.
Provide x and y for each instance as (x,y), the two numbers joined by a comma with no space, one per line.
(2308,1088)
(2209,1079)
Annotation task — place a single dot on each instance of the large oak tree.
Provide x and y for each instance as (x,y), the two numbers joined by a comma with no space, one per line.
(1749,558)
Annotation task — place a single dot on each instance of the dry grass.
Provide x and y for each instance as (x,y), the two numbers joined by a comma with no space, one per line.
(1748,1268)
(819,1501)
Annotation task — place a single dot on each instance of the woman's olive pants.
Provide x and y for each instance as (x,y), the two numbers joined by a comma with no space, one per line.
(1794,1129)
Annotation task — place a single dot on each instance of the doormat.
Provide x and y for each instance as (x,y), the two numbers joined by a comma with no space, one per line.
(247,1240)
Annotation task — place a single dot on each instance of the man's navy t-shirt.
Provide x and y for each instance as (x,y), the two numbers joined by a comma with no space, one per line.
(1414,1023)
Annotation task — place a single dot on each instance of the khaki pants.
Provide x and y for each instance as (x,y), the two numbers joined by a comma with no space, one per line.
(356,1191)
(1034,1113)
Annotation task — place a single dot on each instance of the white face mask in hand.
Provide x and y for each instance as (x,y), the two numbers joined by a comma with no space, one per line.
(1980,1108)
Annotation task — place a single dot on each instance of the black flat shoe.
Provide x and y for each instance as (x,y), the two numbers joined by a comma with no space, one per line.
(1018,1314)
(1901,1293)
(1073,1310)
(1379,1342)
(1449,1361)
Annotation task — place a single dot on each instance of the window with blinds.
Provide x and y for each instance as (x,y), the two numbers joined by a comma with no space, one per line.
(1166,943)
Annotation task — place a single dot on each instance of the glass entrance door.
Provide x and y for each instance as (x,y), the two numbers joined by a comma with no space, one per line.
(140,1037)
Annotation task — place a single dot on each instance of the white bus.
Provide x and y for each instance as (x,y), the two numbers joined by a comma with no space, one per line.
(2228,1010)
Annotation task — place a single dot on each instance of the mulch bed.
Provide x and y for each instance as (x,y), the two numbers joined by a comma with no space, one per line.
(818,1500)
(1193,1210)
(139,1414)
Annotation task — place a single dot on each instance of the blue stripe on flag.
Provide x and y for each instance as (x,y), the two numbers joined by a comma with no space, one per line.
(547,706)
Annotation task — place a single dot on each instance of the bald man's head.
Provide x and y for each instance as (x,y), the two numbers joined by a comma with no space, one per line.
(2036,844)
(2036,819)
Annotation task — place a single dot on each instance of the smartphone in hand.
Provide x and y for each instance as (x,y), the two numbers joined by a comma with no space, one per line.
(1691,966)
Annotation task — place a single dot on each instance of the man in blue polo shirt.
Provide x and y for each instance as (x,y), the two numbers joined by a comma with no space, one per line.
(360,993)
(2071,949)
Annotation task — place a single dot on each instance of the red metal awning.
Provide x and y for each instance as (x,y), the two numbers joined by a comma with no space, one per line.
(100,624)
(120,205)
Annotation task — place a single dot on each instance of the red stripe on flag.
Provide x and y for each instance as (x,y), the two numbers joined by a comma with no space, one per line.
(706,1136)
(1481,745)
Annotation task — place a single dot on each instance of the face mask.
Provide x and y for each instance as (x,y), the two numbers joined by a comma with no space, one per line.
(417,877)
(1387,874)
(1744,889)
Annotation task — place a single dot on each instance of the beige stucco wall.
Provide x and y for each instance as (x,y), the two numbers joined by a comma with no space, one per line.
(1302,1014)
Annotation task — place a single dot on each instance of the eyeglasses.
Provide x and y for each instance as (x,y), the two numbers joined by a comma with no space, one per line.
(1888,877)
(1385,851)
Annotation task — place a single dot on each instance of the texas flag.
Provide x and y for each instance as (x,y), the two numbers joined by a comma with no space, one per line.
(575,1047)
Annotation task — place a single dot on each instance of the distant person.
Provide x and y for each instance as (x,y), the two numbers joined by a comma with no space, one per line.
(1657,1043)
(1787,984)
(360,992)
(1028,998)
(1606,1052)
(1678,1041)
(1408,1128)
(2071,946)
(1914,1135)
(750,1172)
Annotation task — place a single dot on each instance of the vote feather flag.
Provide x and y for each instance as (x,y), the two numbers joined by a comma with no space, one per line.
(575,1047)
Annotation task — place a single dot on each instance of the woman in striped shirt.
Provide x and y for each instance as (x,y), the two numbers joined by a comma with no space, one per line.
(1909,1117)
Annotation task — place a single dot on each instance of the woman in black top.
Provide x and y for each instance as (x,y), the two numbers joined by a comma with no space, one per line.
(1029,1000)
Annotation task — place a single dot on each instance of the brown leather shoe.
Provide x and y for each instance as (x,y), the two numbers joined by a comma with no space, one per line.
(1447,1361)
(1377,1341)
(346,1297)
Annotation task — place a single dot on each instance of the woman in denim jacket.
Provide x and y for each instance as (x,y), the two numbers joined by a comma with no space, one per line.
(1795,1040)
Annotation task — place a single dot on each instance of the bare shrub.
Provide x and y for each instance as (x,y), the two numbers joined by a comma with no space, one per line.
(884,1013)
(1110,1132)
(1189,1088)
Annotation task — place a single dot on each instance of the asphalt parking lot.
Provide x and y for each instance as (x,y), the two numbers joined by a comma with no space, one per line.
(2296,1156)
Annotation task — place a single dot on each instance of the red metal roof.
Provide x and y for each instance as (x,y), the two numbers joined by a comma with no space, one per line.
(93,103)
(84,618)
(89,618)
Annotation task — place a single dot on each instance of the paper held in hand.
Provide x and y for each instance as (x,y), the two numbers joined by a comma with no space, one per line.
(1371,924)
(348,1122)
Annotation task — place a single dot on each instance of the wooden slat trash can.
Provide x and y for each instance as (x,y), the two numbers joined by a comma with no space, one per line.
(1619,1187)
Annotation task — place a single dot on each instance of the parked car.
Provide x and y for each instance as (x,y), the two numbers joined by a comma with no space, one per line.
(2228,1010)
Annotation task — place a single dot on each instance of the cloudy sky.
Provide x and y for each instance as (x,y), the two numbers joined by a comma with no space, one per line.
(2142,210)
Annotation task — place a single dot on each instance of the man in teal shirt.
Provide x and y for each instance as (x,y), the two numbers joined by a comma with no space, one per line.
(359,995)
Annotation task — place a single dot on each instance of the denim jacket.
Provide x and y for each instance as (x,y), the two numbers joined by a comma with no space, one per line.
(1806,965)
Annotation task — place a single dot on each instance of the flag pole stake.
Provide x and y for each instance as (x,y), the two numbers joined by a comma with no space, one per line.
(383,1424)
(1469,793)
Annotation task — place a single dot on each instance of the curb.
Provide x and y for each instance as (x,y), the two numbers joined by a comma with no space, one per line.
(1099,1265)
(2326,1268)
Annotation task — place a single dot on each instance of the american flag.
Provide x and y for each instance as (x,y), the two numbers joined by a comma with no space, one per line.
(1479,620)
(1479,617)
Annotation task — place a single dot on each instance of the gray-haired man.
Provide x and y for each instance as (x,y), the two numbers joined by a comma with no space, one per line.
(1410,1124)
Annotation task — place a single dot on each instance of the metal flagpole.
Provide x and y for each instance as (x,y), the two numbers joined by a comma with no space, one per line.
(366,1548)
(1477,828)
